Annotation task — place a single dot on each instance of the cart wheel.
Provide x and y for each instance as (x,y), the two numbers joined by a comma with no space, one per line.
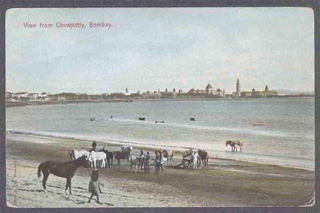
(185,163)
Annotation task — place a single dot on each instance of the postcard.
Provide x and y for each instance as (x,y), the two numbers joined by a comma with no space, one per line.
(160,107)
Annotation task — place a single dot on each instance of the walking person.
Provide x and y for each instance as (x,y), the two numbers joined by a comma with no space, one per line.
(94,185)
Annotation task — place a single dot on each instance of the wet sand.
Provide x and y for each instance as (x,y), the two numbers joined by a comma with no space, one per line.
(226,183)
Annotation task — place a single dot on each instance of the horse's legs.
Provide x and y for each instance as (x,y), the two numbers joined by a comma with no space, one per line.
(68,185)
(45,178)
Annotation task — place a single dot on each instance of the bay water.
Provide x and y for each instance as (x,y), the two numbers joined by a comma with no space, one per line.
(286,136)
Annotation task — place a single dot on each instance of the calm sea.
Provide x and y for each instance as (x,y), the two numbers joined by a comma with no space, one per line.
(286,138)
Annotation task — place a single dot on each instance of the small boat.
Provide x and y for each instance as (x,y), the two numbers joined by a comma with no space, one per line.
(142,118)
(161,122)
(258,124)
(192,119)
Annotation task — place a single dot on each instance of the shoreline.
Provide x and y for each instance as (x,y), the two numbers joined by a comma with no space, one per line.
(226,183)
(149,147)
(130,100)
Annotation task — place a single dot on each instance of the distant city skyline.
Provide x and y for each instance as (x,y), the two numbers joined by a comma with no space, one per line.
(158,48)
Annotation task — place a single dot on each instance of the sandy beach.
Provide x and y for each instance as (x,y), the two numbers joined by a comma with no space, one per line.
(226,183)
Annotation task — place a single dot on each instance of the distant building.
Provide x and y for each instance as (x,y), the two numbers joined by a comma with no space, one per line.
(209,89)
(238,91)
(255,93)
(127,92)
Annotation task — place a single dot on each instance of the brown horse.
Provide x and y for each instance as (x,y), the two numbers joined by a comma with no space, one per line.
(121,155)
(65,170)
(204,157)
(234,145)
(238,143)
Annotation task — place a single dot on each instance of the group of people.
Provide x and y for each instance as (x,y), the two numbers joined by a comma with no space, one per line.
(145,161)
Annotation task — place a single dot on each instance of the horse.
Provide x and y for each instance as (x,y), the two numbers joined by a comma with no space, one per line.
(234,144)
(136,161)
(168,155)
(65,170)
(204,157)
(121,155)
(75,154)
(109,156)
(126,149)
(238,143)
(97,156)
(231,144)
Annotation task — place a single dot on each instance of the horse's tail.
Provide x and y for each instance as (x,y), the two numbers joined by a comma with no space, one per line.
(39,170)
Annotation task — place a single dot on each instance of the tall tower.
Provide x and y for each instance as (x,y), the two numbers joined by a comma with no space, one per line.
(238,88)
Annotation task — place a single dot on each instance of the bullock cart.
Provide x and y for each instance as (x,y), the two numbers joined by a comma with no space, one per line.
(187,160)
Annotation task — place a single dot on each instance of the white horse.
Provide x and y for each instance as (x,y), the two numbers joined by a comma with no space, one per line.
(136,161)
(97,156)
(75,154)
(126,149)
(195,157)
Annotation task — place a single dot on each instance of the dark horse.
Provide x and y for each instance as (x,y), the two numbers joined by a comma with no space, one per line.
(109,156)
(231,144)
(204,155)
(65,170)
(234,145)
(121,155)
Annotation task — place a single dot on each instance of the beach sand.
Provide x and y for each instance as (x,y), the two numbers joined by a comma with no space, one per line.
(226,183)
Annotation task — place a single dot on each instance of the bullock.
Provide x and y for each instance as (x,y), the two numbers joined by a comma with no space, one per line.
(204,156)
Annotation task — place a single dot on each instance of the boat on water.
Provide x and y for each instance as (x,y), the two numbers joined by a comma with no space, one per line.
(142,118)
(161,122)
(192,119)
(258,124)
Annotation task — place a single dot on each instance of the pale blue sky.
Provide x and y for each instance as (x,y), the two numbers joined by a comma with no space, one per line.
(159,48)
